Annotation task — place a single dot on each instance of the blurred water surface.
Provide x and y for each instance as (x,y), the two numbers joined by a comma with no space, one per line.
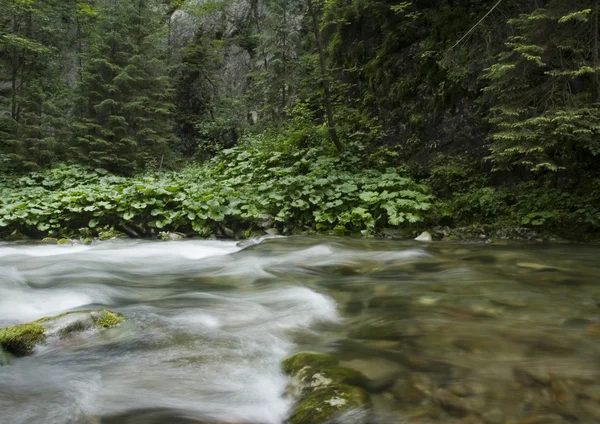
(465,333)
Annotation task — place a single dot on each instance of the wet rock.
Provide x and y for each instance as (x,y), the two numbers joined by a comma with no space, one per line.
(493,416)
(21,339)
(49,240)
(510,302)
(535,266)
(324,404)
(65,241)
(539,419)
(531,376)
(591,392)
(386,330)
(424,236)
(563,399)
(264,221)
(168,236)
(577,322)
(272,232)
(452,403)
(381,373)
(593,330)
(414,389)
(467,388)
(324,389)
(591,408)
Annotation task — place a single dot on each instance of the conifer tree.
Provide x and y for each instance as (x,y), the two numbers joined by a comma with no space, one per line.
(125,91)
(33,52)
(546,85)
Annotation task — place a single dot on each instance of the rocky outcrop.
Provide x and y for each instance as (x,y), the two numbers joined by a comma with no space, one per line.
(20,340)
(324,389)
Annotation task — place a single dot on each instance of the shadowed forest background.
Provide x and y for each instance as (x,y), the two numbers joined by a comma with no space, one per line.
(337,116)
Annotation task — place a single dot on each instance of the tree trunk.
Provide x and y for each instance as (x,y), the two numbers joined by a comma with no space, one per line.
(324,77)
(595,60)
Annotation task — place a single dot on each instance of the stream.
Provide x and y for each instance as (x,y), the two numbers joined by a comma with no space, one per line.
(446,332)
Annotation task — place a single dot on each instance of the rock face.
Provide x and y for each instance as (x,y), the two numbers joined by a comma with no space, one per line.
(20,340)
(325,390)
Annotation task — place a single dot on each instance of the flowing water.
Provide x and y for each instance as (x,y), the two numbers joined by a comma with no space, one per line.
(465,333)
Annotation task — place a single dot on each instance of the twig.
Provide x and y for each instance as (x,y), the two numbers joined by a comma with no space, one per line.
(477,24)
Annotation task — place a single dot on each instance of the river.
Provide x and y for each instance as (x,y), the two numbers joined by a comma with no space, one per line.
(465,333)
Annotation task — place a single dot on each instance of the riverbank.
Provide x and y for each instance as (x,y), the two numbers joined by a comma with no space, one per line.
(246,192)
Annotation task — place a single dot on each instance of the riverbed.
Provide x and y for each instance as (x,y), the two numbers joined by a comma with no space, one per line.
(445,332)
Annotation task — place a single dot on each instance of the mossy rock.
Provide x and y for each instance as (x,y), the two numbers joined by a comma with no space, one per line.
(324,388)
(293,364)
(109,233)
(49,240)
(21,339)
(321,405)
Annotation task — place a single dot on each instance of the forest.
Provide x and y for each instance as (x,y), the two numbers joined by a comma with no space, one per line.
(468,118)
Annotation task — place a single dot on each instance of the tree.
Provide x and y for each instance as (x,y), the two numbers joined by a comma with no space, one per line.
(125,91)
(546,85)
(314,11)
(33,62)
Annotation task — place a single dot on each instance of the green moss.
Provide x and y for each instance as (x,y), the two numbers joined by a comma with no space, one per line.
(109,319)
(293,364)
(21,339)
(49,240)
(64,241)
(108,233)
(324,404)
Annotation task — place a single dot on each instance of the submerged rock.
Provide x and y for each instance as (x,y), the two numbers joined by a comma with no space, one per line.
(325,390)
(21,339)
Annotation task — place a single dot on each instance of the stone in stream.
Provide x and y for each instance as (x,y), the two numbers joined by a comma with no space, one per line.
(593,330)
(529,376)
(21,339)
(324,389)
(424,236)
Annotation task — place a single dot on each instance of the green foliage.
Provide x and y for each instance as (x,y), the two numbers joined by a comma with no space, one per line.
(302,189)
(545,117)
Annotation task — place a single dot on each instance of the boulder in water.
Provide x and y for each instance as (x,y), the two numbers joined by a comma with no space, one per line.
(424,236)
(325,389)
(21,339)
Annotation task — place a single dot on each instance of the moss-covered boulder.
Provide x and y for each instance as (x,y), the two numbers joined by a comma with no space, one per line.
(20,339)
(323,388)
